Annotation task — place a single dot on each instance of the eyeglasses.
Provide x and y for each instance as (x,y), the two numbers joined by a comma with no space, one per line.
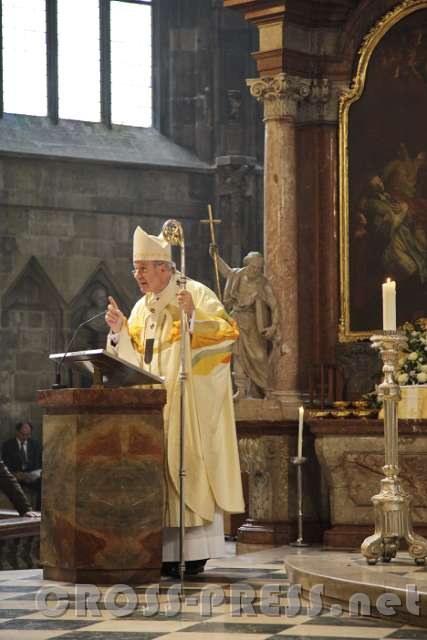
(141,270)
(137,272)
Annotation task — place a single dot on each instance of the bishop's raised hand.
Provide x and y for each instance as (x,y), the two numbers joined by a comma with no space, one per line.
(114,317)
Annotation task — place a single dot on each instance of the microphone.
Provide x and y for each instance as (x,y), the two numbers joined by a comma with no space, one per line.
(57,384)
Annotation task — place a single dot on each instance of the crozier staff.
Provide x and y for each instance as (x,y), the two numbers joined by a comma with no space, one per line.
(151,339)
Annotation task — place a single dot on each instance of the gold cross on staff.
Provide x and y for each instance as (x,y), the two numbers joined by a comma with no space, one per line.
(211,221)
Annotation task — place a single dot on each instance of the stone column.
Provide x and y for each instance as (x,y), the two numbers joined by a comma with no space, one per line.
(318,216)
(280,95)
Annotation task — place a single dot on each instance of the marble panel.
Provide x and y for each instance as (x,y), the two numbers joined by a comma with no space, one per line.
(102,494)
(266,448)
(352,465)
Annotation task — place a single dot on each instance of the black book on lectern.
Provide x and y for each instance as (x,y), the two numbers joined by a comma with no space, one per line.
(105,368)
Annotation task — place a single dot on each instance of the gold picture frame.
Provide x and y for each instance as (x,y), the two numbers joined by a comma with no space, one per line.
(347,331)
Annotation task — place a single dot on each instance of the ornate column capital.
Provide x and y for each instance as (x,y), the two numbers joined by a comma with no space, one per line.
(283,95)
(279,94)
(322,103)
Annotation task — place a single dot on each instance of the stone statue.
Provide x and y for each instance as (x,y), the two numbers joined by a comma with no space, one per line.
(96,330)
(250,300)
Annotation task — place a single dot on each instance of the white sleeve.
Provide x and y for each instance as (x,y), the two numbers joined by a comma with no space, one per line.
(192,320)
(120,344)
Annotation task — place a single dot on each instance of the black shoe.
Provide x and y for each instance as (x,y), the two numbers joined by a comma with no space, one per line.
(192,568)
(170,569)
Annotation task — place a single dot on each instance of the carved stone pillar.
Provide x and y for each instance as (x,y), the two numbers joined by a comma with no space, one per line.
(271,506)
(265,450)
(280,95)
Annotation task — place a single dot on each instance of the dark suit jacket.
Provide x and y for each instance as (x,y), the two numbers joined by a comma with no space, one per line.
(12,488)
(12,458)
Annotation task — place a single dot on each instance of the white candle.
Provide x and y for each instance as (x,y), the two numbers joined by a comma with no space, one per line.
(389,305)
(300,426)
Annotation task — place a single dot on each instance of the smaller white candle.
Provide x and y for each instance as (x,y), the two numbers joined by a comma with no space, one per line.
(300,427)
(389,305)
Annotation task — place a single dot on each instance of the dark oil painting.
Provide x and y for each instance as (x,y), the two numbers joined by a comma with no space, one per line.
(387,177)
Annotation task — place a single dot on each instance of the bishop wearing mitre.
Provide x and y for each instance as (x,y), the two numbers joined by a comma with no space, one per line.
(150,338)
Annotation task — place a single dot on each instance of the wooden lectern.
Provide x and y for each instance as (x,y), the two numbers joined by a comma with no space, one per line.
(102,502)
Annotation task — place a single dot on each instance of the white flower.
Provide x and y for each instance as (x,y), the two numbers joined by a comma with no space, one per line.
(413,356)
(424,367)
(403,378)
(402,361)
(414,333)
(422,377)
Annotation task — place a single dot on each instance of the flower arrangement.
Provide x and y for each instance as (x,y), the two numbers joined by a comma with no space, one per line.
(413,363)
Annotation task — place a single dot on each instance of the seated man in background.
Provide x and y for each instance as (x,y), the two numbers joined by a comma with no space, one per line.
(11,487)
(22,456)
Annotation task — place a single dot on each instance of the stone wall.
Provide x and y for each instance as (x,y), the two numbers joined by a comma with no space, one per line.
(71,195)
(204,105)
(65,245)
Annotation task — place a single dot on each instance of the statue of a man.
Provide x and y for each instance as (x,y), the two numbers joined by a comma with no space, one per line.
(96,331)
(250,300)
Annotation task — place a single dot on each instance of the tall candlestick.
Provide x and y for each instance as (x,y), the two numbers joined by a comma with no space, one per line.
(389,305)
(300,426)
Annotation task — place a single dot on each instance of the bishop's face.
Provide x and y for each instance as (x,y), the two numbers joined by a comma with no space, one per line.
(151,277)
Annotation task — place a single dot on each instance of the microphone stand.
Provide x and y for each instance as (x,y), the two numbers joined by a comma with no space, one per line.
(57,384)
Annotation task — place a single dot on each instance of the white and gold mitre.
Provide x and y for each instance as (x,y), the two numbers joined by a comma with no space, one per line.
(146,247)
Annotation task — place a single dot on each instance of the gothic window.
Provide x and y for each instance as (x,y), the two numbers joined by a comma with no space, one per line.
(24,57)
(78,59)
(131,63)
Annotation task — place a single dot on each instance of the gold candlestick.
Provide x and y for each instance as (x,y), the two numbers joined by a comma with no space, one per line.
(393,520)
